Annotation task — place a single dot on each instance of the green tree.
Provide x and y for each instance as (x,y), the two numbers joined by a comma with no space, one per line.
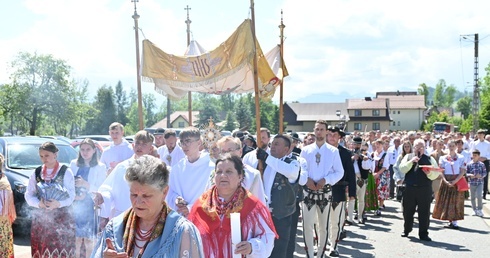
(449,95)
(104,113)
(439,93)
(424,90)
(464,106)
(230,121)
(43,86)
(132,127)
(467,125)
(243,114)
(150,107)
(122,104)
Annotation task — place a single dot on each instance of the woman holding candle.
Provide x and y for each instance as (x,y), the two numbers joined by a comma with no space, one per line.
(149,228)
(89,175)
(53,227)
(211,215)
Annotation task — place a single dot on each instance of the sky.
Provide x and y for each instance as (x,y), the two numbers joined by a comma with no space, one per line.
(334,49)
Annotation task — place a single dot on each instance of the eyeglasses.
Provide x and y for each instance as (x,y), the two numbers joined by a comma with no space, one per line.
(227,151)
(186,142)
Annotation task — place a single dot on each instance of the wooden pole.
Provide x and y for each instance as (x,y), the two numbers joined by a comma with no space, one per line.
(256,87)
(138,77)
(281,89)
(189,95)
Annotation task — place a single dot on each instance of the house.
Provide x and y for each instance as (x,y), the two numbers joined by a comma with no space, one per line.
(368,114)
(406,110)
(301,117)
(178,119)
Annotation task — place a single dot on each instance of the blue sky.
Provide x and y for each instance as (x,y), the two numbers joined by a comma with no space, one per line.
(334,49)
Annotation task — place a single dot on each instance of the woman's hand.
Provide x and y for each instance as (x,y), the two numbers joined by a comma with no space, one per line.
(52,204)
(243,248)
(42,205)
(80,182)
(182,209)
(110,251)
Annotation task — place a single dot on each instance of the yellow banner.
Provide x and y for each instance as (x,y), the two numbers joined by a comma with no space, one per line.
(226,69)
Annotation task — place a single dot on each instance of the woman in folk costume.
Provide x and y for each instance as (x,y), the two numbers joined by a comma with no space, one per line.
(211,215)
(53,226)
(450,202)
(89,175)
(149,228)
(7,215)
(372,190)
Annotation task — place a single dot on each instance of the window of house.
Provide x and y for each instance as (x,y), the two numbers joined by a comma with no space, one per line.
(376,112)
(376,126)
(357,112)
(357,126)
(394,112)
(398,111)
(398,123)
(181,124)
(394,123)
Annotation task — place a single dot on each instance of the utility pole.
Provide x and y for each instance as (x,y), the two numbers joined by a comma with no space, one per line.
(476,90)
(138,77)
(189,95)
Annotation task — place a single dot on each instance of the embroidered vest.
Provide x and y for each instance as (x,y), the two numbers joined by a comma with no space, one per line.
(283,196)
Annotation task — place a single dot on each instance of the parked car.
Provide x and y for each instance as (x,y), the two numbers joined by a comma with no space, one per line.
(59,137)
(21,159)
(100,138)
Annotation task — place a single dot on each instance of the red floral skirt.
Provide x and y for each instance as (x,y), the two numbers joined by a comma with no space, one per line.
(450,202)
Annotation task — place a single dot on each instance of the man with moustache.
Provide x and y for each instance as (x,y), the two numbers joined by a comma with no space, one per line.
(251,157)
(324,170)
(280,173)
(113,194)
(337,210)
(170,153)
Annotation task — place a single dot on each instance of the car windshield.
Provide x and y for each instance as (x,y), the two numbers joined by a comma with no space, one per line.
(26,156)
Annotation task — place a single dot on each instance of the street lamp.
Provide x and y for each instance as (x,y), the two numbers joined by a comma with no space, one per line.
(138,78)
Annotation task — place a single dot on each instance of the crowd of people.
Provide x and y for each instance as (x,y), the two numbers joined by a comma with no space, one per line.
(169,195)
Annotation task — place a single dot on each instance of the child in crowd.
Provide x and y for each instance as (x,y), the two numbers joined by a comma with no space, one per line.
(476,171)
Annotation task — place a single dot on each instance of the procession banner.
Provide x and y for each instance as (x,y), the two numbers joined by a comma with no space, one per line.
(226,69)
(274,59)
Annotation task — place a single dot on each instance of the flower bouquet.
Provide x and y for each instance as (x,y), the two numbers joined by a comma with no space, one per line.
(51,191)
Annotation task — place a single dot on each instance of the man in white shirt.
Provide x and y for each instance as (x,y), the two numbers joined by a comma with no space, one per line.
(392,154)
(190,176)
(113,194)
(279,173)
(170,153)
(119,150)
(484,147)
(159,137)
(251,157)
(324,168)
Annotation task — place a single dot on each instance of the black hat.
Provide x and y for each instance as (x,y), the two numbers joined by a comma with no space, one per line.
(336,129)
(159,131)
(295,137)
(357,140)
(239,134)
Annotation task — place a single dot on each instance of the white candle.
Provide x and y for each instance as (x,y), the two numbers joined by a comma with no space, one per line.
(236,233)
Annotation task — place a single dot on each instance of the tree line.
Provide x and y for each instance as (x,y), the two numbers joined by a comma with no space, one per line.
(42,98)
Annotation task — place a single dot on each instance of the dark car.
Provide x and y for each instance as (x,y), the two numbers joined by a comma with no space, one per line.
(21,159)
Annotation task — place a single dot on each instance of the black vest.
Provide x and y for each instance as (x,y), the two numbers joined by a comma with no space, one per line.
(58,179)
(364,172)
(417,177)
(283,196)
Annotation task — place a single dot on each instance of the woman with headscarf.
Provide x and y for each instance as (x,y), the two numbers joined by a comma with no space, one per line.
(211,215)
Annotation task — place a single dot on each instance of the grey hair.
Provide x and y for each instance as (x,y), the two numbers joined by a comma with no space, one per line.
(148,170)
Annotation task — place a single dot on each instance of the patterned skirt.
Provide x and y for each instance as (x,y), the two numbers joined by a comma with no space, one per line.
(371,198)
(6,238)
(450,202)
(53,233)
(383,185)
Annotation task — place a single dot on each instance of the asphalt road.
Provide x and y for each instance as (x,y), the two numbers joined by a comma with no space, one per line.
(380,237)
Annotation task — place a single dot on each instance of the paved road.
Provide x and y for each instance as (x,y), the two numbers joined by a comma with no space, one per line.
(380,237)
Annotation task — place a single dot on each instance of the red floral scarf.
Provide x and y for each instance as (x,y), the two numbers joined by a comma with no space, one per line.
(131,221)
(213,205)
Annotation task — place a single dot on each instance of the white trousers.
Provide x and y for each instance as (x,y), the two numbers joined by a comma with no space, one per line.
(361,195)
(310,218)
(337,218)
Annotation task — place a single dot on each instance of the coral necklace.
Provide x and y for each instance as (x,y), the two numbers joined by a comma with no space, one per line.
(143,237)
(47,177)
